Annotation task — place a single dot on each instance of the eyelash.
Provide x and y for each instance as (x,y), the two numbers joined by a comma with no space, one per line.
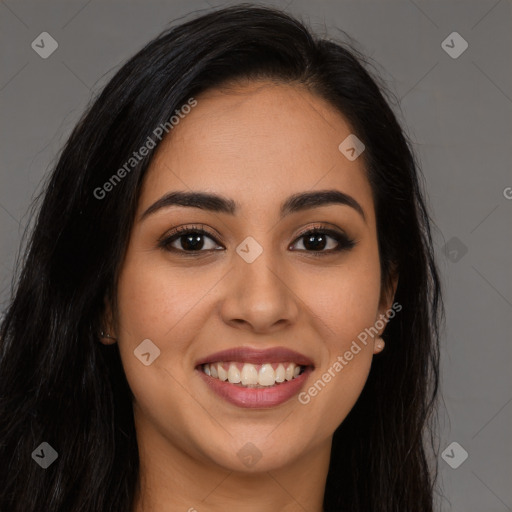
(344,242)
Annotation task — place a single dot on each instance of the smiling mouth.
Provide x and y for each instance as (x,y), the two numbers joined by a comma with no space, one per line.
(248,375)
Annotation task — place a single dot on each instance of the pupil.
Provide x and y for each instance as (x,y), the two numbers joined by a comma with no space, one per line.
(192,242)
(309,244)
(195,242)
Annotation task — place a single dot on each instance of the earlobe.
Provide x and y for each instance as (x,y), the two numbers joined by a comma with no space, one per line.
(386,309)
(107,335)
(389,291)
(378,345)
(106,339)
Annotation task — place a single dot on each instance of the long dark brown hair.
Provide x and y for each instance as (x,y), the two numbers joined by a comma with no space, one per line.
(59,385)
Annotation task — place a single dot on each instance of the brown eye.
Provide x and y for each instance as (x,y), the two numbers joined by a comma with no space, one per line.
(188,240)
(317,240)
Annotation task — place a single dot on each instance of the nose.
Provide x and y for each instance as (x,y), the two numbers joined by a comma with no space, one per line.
(260,297)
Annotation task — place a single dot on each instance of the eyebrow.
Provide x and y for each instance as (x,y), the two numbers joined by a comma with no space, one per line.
(216,203)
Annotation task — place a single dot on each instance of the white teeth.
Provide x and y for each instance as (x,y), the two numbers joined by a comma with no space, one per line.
(223,374)
(249,376)
(266,375)
(280,373)
(233,374)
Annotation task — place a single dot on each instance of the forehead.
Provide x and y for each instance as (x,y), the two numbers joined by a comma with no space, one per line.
(257,143)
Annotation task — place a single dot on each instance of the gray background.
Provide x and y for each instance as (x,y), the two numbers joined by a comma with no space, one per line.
(457,111)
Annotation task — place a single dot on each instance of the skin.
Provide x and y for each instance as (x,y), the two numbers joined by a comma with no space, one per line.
(244,143)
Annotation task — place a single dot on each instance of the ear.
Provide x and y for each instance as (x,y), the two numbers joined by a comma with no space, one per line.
(389,287)
(107,334)
(388,293)
(385,305)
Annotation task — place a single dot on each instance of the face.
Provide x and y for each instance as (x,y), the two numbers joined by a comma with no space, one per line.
(255,284)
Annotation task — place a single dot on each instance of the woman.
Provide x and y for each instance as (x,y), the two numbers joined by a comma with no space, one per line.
(229,299)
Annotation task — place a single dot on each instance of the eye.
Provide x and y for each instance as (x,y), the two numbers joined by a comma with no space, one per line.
(190,238)
(315,240)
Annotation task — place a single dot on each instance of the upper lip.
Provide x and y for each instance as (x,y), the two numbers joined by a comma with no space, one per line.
(257,356)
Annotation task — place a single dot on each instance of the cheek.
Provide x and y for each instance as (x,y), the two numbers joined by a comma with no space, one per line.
(344,389)
(167,305)
(345,299)
(339,381)
(153,304)
(345,303)
(156,299)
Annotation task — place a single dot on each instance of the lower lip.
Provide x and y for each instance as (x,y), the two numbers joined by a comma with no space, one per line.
(257,398)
